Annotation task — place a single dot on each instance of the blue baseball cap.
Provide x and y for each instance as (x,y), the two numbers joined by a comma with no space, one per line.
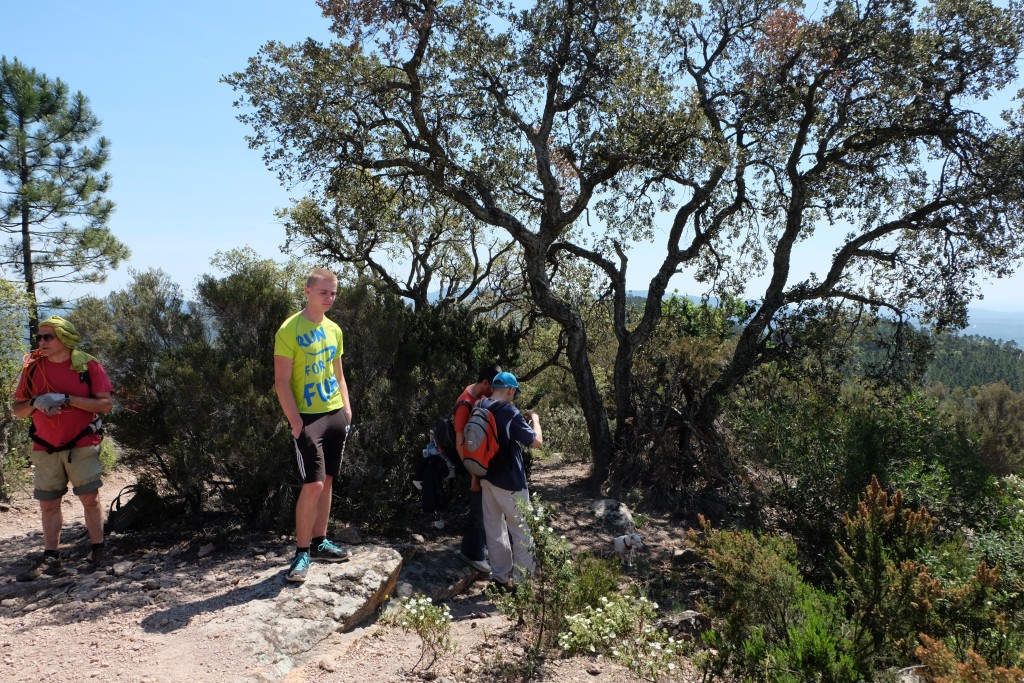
(505,380)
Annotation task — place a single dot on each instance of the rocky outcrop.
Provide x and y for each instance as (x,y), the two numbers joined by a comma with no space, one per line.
(277,621)
(614,515)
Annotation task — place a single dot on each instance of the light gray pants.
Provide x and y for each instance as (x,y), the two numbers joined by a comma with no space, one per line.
(508,538)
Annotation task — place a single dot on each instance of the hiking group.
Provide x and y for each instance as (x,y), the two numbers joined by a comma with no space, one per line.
(496,522)
(66,391)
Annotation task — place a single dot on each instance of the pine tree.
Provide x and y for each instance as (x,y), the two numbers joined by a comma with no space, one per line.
(53,201)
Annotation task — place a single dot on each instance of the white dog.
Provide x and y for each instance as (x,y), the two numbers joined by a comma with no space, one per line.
(626,545)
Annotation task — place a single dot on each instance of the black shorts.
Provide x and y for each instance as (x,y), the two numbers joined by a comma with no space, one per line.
(320,444)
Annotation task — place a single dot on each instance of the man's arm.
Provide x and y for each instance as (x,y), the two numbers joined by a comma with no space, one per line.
(22,408)
(283,387)
(459,419)
(534,419)
(101,402)
(339,374)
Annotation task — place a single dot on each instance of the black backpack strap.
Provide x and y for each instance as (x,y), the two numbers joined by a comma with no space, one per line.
(95,426)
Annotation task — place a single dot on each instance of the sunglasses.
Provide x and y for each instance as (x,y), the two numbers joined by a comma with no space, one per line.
(46,337)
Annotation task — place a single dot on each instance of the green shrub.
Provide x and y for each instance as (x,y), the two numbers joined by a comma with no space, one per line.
(621,627)
(980,608)
(565,432)
(887,589)
(944,667)
(573,604)
(13,432)
(108,455)
(195,395)
(770,624)
(432,623)
(543,601)
(818,452)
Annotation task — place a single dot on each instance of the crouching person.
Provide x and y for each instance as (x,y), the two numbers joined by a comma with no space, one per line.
(64,391)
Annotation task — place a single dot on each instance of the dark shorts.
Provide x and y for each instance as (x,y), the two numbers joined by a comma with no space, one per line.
(320,444)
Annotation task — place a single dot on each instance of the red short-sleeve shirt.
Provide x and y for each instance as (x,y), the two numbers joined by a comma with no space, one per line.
(44,377)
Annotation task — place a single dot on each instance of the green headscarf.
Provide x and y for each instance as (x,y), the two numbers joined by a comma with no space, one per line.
(69,337)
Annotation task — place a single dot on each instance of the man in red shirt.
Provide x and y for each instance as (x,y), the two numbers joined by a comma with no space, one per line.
(473,540)
(64,391)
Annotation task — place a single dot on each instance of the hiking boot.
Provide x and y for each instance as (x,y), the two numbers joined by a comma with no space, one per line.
(300,565)
(49,564)
(98,559)
(482,566)
(328,552)
(503,587)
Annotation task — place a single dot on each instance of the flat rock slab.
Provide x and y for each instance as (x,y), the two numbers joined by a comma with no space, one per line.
(435,571)
(273,621)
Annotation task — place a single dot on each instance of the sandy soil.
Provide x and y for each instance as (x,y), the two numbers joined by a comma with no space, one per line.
(142,626)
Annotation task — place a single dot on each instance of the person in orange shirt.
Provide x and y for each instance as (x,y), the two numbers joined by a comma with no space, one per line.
(474,541)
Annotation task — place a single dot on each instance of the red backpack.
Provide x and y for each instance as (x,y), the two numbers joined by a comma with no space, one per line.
(482,445)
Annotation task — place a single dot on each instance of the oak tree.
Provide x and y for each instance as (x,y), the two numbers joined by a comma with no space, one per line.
(727,132)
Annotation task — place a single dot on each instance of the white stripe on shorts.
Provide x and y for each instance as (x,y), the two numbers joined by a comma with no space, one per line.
(298,459)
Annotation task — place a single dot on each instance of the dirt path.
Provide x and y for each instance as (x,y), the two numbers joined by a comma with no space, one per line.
(148,624)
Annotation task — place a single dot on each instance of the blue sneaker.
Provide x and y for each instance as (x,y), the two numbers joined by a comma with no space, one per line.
(328,552)
(300,565)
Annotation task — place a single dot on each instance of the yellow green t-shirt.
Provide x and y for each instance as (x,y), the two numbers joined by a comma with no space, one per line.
(312,348)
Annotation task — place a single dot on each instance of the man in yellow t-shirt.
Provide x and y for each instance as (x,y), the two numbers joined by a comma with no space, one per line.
(311,388)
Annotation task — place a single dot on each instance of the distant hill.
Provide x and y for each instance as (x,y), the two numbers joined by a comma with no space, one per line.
(996,325)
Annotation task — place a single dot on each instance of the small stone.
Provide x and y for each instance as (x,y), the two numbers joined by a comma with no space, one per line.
(594,670)
(122,568)
(327,665)
(418,538)
(684,556)
(206,549)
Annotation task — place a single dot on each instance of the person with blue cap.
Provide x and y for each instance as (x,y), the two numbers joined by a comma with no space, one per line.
(65,391)
(504,488)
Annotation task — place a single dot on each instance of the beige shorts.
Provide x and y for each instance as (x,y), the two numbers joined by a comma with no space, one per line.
(53,471)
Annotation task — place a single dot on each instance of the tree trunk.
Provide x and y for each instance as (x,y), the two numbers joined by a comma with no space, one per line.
(625,410)
(591,401)
(26,254)
(592,404)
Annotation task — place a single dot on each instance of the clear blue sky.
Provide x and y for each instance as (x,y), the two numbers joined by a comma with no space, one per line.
(185,183)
